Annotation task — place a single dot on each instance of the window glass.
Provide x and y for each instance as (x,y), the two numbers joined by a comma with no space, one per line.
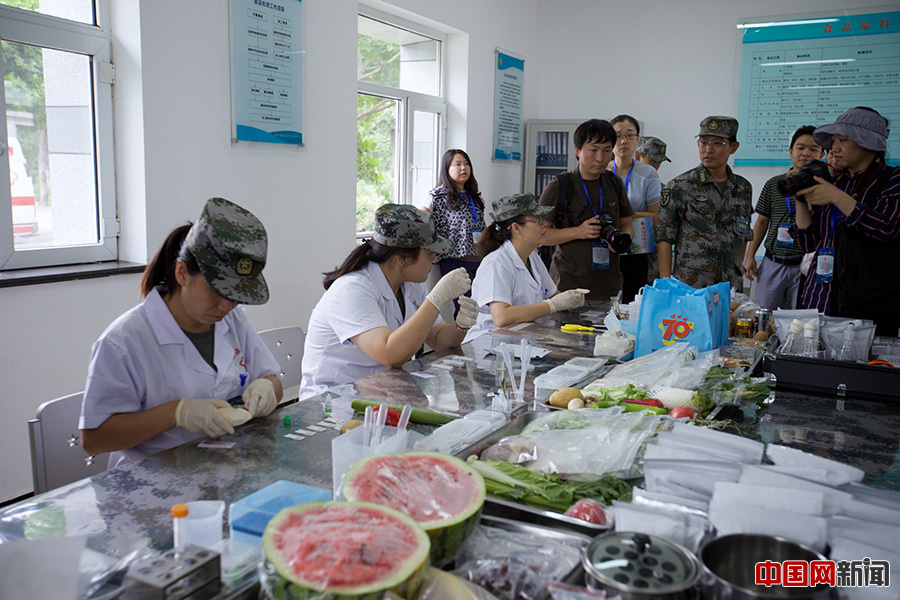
(74,10)
(376,162)
(398,58)
(50,125)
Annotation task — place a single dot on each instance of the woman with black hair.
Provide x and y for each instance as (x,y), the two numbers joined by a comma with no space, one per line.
(853,225)
(165,371)
(512,285)
(458,212)
(375,313)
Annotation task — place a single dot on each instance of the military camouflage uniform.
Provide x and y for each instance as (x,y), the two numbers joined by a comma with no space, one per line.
(708,229)
(230,244)
(517,205)
(405,226)
(653,147)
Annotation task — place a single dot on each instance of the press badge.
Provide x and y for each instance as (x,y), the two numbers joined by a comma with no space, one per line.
(600,256)
(825,265)
(743,225)
(476,233)
(783,237)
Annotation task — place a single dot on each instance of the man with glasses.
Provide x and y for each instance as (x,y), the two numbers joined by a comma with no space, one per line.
(705,213)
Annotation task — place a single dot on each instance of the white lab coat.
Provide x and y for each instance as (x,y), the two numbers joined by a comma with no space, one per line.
(503,277)
(357,302)
(144,359)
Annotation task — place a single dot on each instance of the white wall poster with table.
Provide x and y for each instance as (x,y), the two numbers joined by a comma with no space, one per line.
(266,71)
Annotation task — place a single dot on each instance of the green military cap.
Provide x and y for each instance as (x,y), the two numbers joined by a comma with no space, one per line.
(405,226)
(517,205)
(654,148)
(725,127)
(230,245)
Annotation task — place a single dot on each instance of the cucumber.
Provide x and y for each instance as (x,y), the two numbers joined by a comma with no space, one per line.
(418,415)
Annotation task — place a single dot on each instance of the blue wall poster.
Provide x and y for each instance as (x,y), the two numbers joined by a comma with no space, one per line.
(808,72)
(266,71)
(508,86)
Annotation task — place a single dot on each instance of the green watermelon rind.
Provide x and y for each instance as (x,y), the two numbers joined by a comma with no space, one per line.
(446,534)
(282,584)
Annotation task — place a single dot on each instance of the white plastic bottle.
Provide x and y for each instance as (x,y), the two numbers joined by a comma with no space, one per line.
(847,351)
(791,343)
(810,340)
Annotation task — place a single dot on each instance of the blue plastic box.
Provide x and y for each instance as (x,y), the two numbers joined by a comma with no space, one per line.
(249,516)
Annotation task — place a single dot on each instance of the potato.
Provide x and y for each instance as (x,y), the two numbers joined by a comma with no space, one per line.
(761,336)
(351,424)
(560,398)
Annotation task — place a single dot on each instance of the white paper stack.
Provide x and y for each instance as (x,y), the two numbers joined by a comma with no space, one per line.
(678,526)
(833,499)
(836,473)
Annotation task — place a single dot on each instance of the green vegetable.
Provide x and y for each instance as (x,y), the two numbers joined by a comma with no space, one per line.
(619,392)
(565,419)
(418,415)
(546,490)
(656,410)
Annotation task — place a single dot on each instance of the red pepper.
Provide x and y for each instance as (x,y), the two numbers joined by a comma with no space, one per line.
(393,415)
(645,402)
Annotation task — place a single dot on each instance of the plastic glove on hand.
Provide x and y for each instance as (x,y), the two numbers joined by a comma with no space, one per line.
(259,397)
(452,285)
(202,415)
(567,300)
(468,313)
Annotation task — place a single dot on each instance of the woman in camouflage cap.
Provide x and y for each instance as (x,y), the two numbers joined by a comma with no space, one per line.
(512,285)
(165,371)
(375,312)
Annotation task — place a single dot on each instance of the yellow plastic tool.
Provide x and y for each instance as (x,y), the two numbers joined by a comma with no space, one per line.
(573,328)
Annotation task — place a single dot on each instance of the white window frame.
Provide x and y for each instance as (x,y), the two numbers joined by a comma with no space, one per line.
(94,41)
(408,103)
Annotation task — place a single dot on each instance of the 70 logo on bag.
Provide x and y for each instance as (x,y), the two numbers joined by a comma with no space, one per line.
(675,328)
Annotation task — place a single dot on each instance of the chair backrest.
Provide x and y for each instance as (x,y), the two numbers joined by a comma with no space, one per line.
(286,343)
(56,454)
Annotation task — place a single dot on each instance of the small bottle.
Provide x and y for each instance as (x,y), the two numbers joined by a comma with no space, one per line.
(327,406)
(810,340)
(847,351)
(791,344)
(179,514)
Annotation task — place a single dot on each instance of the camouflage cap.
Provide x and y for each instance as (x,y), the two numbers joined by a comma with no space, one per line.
(653,147)
(230,243)
(725,127)
(517,205)
(405,226)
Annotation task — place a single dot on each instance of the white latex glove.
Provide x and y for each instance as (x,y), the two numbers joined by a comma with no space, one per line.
(468,313)
(567,300)
(452,285)
(259,397)
(201,415)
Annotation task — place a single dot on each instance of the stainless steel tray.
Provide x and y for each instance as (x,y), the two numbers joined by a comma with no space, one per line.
(517,511)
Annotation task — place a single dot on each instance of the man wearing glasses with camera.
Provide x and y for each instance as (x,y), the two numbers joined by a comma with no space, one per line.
(705,213)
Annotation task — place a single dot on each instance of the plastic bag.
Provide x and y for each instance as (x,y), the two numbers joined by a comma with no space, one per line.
(441,585)
(505,578)
(678,365)
(608,444)
(562,591)
(832,334)
(784,317)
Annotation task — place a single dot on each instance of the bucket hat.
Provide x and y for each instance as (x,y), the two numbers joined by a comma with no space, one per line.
(865,127)
(230,246)
(405,226)
(517,205)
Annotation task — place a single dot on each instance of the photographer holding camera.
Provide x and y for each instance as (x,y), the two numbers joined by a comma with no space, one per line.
(778,275)
(853,225)
(705,213)
(590,221)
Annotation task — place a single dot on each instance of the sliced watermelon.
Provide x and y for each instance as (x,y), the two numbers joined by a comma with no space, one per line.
(442,493)
(343,551)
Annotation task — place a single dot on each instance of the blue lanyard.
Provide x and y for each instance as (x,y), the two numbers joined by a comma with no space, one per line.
(584,185)
(787,200)
(628,177)
(472,206)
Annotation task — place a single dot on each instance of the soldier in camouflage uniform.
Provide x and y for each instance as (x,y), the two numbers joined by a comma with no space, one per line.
(652,151)
(375,312)
(705,213)
(163,373)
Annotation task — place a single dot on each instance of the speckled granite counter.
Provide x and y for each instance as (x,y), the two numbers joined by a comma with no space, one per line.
(128,507)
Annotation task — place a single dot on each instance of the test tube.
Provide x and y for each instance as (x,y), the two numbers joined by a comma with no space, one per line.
(179,514)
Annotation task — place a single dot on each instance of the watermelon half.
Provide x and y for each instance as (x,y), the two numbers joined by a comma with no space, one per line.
(343,551)
(442,493)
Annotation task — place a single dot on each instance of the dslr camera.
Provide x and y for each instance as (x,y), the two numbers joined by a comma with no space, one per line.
(802,179)
(616,239)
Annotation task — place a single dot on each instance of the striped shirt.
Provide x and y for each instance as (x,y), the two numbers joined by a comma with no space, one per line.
(878,218)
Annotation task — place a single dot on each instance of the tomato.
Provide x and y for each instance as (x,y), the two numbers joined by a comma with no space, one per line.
(682,411)
(588,510)
(393,415)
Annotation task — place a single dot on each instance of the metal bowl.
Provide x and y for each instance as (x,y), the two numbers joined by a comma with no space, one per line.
(729,565)
(638,566)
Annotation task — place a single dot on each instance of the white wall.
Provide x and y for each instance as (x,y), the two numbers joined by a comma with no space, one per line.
(667,63)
